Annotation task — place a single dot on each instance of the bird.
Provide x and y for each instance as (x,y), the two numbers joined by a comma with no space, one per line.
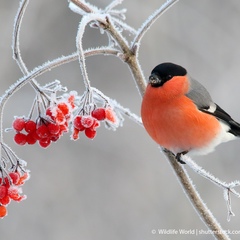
(179,114)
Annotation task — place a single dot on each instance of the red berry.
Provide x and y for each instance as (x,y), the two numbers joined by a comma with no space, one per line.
(3,211)
(42,131)
(87,121)
(63,128)
(54,138)
(3,191)
(75,134)
(30,126)
(15,177)
(53,128)
(71,101)
(90,133)
(5,201)
(45,142)
(95,125)
(64,108)
(31,138)
(77,123)
(60,117)
(13,193)
(18,124)
(99,113)
(20,138)
(110,115)
(49,113)
(35,135)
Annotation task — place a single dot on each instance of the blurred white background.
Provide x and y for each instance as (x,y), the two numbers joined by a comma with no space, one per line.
(119,186)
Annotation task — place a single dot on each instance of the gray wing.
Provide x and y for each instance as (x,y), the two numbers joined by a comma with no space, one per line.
(201,97)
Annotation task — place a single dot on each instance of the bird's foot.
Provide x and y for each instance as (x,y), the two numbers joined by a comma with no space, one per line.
(178,157)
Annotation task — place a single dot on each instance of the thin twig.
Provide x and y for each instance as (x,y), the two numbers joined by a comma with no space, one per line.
(81,5)
(146,25)
(15,42)
(227,187)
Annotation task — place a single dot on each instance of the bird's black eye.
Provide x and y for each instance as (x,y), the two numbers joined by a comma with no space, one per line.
(168,77)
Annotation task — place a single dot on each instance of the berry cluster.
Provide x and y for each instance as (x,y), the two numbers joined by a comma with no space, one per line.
(10,190)
(45,129)
(89,123)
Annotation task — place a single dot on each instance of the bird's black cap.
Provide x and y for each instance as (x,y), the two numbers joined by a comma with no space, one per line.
(164,72)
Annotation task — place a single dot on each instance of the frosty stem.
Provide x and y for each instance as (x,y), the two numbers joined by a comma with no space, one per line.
(227,187)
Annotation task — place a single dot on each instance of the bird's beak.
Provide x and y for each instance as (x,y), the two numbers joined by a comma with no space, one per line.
(154,80)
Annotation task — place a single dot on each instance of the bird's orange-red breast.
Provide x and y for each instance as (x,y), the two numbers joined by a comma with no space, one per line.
(179,114)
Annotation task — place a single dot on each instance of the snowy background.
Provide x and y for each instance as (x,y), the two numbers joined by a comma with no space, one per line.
(119,186)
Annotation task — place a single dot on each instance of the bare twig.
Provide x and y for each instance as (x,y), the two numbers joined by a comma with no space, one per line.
(146,25)
(82,5)
(227,187)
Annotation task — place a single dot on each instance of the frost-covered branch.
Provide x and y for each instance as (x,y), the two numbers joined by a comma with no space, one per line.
(227,187)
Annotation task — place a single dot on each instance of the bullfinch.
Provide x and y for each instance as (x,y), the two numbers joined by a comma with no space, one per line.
(180,115)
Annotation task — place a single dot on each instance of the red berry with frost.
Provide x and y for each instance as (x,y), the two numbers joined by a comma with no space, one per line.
(31,138)
(30,126)
(60,117)
(64,108)
(95,125)
(18,124)
(3,211)
(63,128)
(99,114)
(90,133)
(20,138)
(87,121)
(71,101)
(110,115)
(3,191)
(53,128)
(75,134)
(13,192)
(42,131)
(49,113)
(77,123)
(45,142)
(15,177)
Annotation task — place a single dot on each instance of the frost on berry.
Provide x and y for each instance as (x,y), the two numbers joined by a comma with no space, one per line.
(18,124)
(64,108)
(15,177)
(75,134)
(110,115)
(87,121)
(77,123)
(95,124)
